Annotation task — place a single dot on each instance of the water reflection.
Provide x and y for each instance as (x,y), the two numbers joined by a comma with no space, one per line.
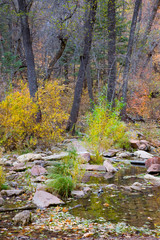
(137,208)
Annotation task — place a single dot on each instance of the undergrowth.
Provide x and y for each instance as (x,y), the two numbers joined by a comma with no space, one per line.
(64,176)
(2,178)
(18,126)
(105,129)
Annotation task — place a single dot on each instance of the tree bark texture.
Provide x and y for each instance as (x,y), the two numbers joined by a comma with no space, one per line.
(89,85)
(56,57)
(111,50)
(84,59)
(128,56)
(31,73)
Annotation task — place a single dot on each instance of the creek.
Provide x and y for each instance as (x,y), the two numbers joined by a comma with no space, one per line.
(136,208)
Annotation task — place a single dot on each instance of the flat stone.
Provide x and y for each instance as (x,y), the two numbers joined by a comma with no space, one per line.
(125,155)
(13,192)
(109,167)
(136,186)
(89,167)
(78,194)
(112,186)
(44,199)
(19,167)
(110,153)
(143,154)
(154,168)
(154,180)
(29,157)
(37,170)
(56,156)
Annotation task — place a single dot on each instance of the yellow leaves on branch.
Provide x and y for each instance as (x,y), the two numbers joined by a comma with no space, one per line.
(18,126)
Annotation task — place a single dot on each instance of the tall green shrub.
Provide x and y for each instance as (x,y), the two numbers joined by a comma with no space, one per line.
(104,127)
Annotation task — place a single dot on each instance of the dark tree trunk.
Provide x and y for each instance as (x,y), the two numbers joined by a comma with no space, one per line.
(56,57)
(89,84)
(111,50)
(88,27)
(128,56)
(31,73)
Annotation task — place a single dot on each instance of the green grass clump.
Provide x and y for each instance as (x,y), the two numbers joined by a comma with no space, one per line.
(65,176)
(2,178)
(105,129)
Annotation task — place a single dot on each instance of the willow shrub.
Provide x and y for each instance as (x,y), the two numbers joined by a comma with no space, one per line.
(2,178)
(105,129)
(18,126)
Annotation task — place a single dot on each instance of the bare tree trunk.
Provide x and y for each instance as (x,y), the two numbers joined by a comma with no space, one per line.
(56,57)
(31,73)
(128,56)
(88,27)
(89,84)
(111,50)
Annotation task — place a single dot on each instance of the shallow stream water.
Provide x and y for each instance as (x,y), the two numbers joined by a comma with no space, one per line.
(136,208)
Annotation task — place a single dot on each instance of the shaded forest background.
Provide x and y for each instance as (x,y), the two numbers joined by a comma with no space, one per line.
(85,42)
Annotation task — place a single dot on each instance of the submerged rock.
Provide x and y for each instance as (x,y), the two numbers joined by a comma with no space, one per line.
(136,186)
(23,218)
(78,194)
(154,180)
(44,199)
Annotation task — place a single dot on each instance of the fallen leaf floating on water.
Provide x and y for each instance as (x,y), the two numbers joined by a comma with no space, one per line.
(106,204)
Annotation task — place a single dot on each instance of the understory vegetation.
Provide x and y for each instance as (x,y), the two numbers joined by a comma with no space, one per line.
(18,126)
(2,178)
(64,176)
(105,129)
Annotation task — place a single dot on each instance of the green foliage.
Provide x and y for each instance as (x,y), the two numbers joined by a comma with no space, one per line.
(18,126)
(105,129)
(2,178)
(64,176)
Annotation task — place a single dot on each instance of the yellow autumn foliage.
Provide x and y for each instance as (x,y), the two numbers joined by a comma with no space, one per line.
(18,126)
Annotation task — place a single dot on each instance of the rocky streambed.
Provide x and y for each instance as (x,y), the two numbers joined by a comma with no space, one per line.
(106,204)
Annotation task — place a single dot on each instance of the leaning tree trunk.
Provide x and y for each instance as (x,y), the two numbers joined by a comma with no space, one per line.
(128,57)
(88,27)
(111,50)
(31,73)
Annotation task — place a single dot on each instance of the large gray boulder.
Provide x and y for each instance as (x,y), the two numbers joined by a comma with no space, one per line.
(44,199)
